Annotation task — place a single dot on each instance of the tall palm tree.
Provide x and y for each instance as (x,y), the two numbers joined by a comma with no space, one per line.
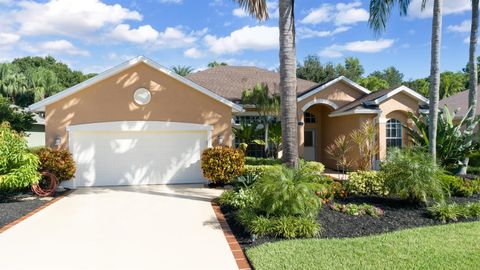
(473,75)
(288,78)
(380,11)
(12,82)
(182,70)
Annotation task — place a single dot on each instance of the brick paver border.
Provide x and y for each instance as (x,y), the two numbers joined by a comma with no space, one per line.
(34,211)
(240,258)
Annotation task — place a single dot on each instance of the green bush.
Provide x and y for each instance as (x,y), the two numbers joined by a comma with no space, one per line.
(312,167)
(244,198)
(18,167)
(366,183)
(262,169)
(412,175)
(284,226)
(220,164)
(474,159)
(452,212)
(458,186)
(262,161)
(59,162)
(284,193)
(357,209)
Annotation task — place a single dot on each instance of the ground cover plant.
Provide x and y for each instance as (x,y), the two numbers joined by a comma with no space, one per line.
(453,211)
(453,246)
(357,209)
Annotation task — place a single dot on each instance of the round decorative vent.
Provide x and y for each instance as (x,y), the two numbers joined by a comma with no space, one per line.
(142,96)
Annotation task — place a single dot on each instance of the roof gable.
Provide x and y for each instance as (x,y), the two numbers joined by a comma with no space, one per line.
(318,88)
(38,106)
(400,89)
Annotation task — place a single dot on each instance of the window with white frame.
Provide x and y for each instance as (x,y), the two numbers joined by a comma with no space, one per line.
(309,118)
(394,133)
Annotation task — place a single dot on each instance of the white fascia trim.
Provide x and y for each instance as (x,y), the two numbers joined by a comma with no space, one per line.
(341,78)
(117,69)
(425,111)
(319,101)
(402,88)
(356,111)
(129,126)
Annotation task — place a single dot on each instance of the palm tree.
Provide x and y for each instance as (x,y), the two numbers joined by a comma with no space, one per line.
(42,82)
(288,77)
(379,13)
(182,70)
(473,75)
(216,64)
(12,82)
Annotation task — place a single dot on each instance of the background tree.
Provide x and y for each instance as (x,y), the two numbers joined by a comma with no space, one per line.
(373,83)
(182,70)
(419,85)
(380,11)
(451,83)
(313,70)
(353,69)
(216,64)
(391,75)
(19,120)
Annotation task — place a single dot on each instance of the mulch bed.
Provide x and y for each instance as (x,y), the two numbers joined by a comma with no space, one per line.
(14,206)
(398,215)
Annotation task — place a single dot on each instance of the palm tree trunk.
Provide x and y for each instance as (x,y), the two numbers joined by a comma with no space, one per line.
(266,138)
(288,83)
(473,82)
(435,76)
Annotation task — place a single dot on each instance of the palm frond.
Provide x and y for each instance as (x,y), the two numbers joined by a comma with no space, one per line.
(256,8)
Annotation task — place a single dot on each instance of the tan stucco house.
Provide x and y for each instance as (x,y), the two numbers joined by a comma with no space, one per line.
(140,123)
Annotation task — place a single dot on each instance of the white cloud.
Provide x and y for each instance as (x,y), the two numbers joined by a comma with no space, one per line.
(69,17)
(7,39)
(123,57)
(304,32)
(449,7)
(247,38)
(56,47)
(362,46)
(464,27)
(271,6)
(176,37)
(193,53)
(142,34)
(239,12)
(340,14)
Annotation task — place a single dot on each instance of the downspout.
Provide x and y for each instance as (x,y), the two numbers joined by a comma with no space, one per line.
(375,163)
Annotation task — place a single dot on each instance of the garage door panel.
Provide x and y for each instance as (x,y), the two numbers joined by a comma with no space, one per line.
(138,158)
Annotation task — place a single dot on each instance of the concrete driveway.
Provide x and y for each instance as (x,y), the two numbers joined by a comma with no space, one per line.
(145,227)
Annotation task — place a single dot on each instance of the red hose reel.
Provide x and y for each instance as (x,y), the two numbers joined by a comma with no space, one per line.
(46,186)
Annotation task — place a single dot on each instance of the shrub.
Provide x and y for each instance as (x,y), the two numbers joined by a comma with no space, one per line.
(412,175)
(262,161)
(18,167)
(357,209)
(459,186)
(366,183)
(59,162)
(452,212)
(244,198)
(312,167)
(284,226)
(262,169)
(283,193)
(220,164)
(244,181)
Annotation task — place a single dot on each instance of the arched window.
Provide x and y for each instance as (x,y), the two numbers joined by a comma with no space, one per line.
(309,118)
(394,133)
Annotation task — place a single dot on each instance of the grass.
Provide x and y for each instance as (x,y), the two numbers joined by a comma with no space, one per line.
(453,246)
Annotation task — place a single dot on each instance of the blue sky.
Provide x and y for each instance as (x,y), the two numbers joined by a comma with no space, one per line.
(93,35)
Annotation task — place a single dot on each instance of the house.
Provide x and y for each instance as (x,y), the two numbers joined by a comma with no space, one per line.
(140,123)
(458,103)
(325,111)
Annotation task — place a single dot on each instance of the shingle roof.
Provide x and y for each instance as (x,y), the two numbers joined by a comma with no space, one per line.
(230,81)
(359,102)
(458,101)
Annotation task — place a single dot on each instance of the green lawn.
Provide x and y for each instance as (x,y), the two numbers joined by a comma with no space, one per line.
(453,246)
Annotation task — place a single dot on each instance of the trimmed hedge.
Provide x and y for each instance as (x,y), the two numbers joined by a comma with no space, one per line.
(220,164)
(262,169)
(262,161)
(366,183)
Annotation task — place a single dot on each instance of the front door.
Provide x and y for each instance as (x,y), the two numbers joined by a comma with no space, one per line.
(309,144)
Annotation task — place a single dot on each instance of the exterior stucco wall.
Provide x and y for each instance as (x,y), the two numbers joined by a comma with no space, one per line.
(112,100)
(396,107)
(327,128)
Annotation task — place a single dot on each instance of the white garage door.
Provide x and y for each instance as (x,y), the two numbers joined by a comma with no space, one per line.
(138,153)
